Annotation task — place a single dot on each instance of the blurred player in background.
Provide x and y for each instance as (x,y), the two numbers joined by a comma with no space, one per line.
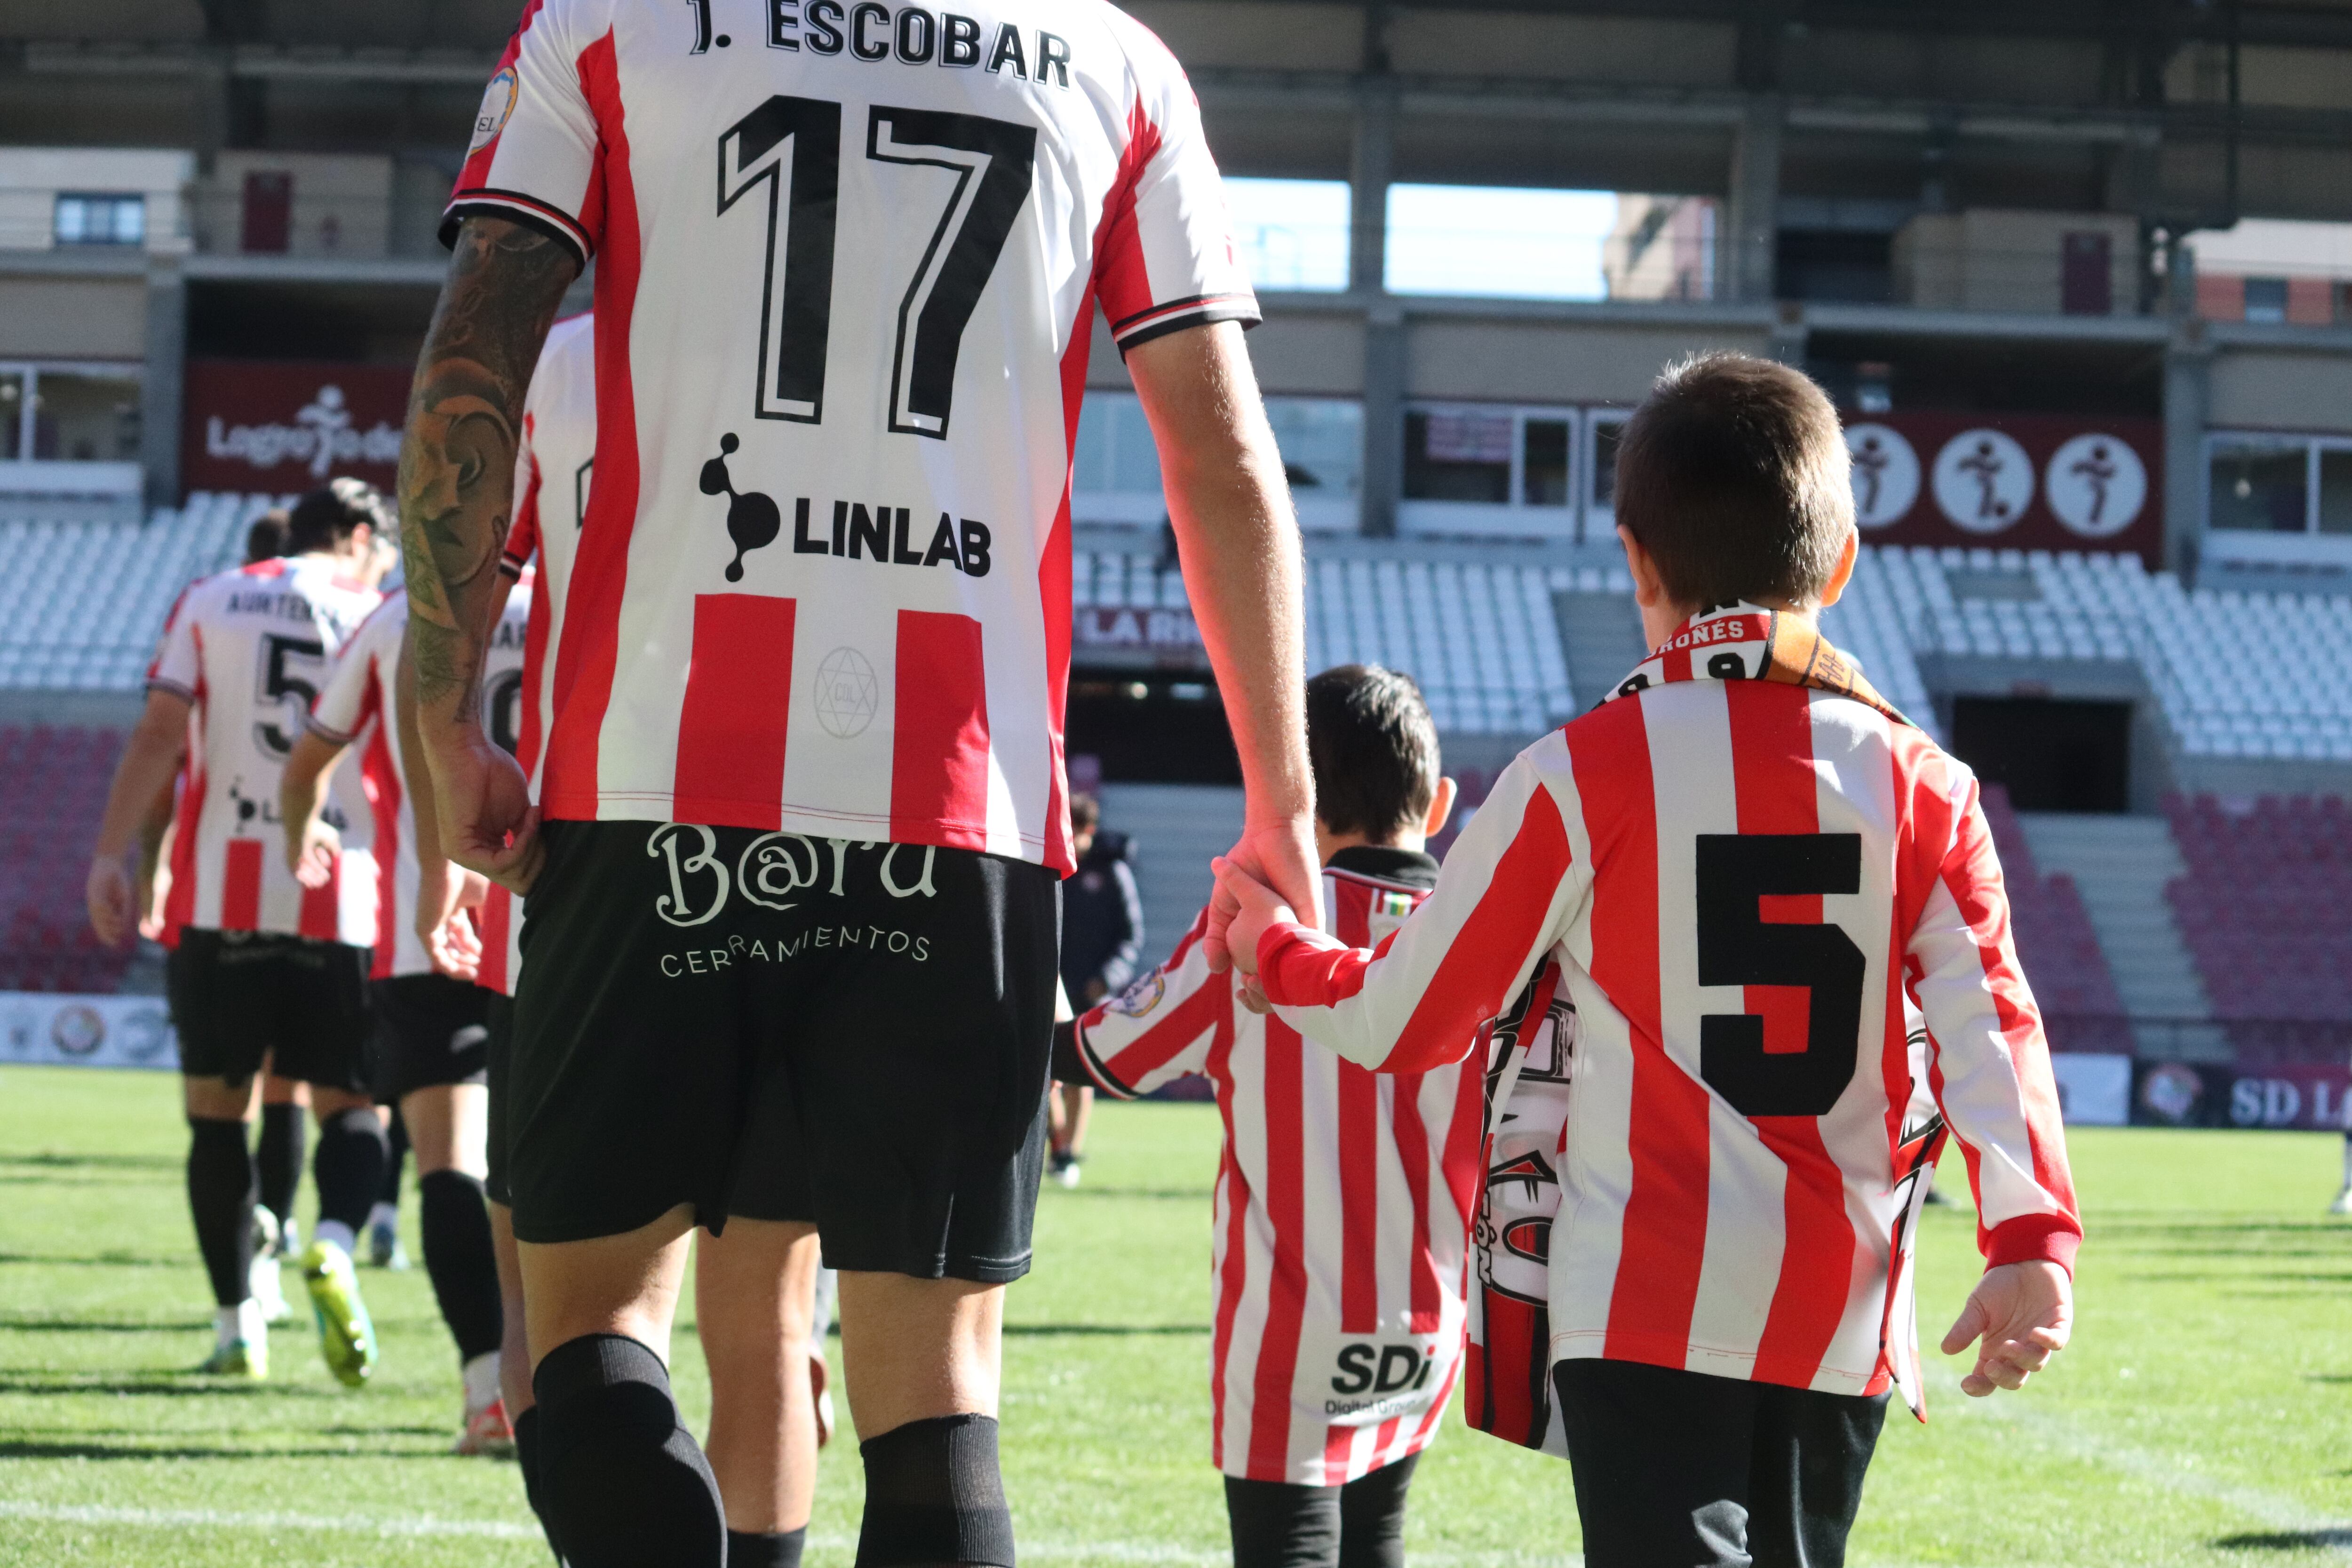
(431,1050)
(1343,1197)
(1102,943)
(264,968)
(277,1152)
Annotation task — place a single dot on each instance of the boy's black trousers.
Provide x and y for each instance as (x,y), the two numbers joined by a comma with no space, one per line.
(1679,1469)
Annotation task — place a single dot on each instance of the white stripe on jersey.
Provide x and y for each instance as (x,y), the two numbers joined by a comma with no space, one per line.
(249,647)
(1341,1213)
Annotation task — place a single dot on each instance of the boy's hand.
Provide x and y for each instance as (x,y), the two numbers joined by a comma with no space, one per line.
(1256,907)
(1278,854)
(2023,1313)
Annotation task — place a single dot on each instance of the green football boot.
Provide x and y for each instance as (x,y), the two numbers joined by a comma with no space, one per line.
(345,1334)
(238,1358)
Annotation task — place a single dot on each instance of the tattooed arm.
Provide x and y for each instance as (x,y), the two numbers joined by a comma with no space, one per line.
(457,494)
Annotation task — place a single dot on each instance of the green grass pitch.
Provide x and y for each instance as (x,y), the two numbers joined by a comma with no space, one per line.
(2203,1416)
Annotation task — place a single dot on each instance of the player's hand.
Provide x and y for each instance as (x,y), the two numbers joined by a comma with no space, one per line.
(1256,908)
(108,894)
(2019,1316)
(1278,854)
(311,853)
(1251,995)
(454,948)
(147,890)
(488,822)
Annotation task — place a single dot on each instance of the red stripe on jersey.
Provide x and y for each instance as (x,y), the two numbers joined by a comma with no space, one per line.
(1339,1443)
(497,917)
(939,744)
(1665,1230)
(477,167)
(385,789)
(588,652)
(1120,269)
(241,885)
(1234,1269)
(1359,1150)
(321,915)
(1473,977)
(731,726)
(1411,1138)
(1776,790)
(1285,1206)
(180,903)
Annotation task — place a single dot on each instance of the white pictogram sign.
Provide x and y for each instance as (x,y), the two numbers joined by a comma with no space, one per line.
(2095,485)
(1886,474)
(1983,481)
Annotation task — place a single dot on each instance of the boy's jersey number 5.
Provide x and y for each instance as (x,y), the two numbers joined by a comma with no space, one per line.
(1736,946)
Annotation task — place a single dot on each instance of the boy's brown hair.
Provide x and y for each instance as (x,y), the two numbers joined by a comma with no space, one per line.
(1733,475)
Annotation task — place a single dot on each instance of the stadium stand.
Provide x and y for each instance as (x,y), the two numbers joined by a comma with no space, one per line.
(2261,908)
(80,602)
(2070,974)
(52,789)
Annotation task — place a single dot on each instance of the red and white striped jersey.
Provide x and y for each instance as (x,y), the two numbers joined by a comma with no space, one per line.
(249,647)
(554,464)
(355,708)
(1736,880)
(824,583)
(1343,1209)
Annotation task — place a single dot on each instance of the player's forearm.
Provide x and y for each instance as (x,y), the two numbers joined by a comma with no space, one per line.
(1238,541)
(153,827)
(457,459)
(149,759)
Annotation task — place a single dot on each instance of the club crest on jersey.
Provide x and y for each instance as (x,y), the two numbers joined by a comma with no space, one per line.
(498,105)
(1140,997)
(883,534)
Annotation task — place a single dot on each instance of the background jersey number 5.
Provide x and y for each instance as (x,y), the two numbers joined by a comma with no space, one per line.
(994,163)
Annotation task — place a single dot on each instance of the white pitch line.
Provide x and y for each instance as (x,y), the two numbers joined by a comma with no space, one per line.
(425,1525)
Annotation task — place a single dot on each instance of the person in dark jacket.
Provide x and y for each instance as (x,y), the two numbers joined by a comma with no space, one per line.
(1102,943)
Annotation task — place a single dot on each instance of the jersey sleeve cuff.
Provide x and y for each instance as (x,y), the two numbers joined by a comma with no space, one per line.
(328,732)
(2034,1239)
(1177,315)
(1281,974)
(172,688)
(516,207)
(1102,1076)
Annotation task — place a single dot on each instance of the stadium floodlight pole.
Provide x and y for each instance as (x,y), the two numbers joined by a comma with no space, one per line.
(457,499)
(1238,544)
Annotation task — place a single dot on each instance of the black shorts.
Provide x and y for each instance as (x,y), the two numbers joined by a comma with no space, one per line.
(763,1024)
(430,1030)
(239,998)
(498,1051)
(1684,1468)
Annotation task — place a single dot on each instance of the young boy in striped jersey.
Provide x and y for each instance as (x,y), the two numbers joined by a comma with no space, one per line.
(1343,1197)
(1739,868)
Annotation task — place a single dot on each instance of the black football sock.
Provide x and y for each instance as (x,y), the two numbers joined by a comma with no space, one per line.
(397,1154)
(526,1435)
(780,1550)
(623,1481)
(934,1494)
(459,1258)
(278,1156)
(220,1198)
(349,1166)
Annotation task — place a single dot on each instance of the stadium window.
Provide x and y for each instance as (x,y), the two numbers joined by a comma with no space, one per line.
(1603,426)
(2266,298)
(2335,490)
(1114,470)
(101,218)
(1550,245)
(16,401)
(1291,234)
(2259,485)
(1487,469)
(86,414)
